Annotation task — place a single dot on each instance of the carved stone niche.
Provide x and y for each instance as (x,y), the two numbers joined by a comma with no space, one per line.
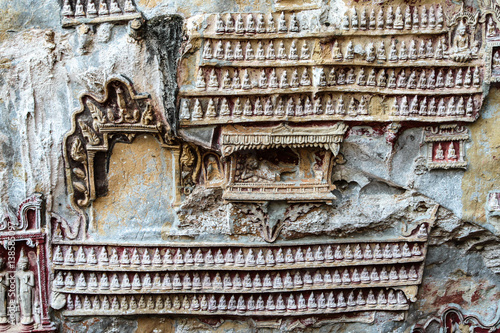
(445,146)
(24,305)
(283,162)
(97,125)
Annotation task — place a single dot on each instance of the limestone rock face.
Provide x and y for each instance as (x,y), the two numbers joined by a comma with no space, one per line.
(282,165)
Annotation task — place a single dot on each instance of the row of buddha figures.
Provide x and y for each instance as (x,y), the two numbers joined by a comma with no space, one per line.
(431,106)
(123,282)
(453,106)
(404,78)
(295,303)
(91,9)
(238,257)
(281,107)
(406,18)
(265,50)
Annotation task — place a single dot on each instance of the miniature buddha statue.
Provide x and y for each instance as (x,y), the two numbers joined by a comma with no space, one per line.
(422,81)
(461,45)
(281,51)
(349,55)
(229,24)
(403,52)
(271,55)
(250,24)
(249,54)
(398,19)
(363,20)
(371,79)
(261,26)
(370,53)
(408,21)
(439,154)
(240,26)
(354,20)
(381,52)
(345,21)
(293,52)
(336,52)
(361,77)
(380,19)
(220,27)
(392,80)
(382,79)
(491,28)
(238,52)
(412,80)
(271,28)
(304,52)
(282,28)
(341,78)
(294,23)
(389,18)
(393,53)
(432,107)
(260,52)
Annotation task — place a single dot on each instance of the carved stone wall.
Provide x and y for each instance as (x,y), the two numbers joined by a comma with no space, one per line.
(283,165)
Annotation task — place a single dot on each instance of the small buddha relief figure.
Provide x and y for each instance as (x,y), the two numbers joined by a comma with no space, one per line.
(439,154)
(363,20)
(362,77)
(336,52)
(354,20)
(408,21)
(393,53)
(349,55)
(25,287)
(271,27)
(398,19)
(491,28)
(261,26)
(372,78)
(260,52)
(350,77)
(496,59)
(389,18)
(380,19)
(382,78)
(381,52)
(345,21)
(403,52)
(213,175)
(370,53)
(229,24)
(461,45)
(220,27)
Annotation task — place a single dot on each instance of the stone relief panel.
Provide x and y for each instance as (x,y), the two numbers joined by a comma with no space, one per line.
(446,146)
(277,95)
(24,292)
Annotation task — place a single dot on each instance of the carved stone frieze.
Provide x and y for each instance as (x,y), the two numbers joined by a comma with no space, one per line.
(293,279)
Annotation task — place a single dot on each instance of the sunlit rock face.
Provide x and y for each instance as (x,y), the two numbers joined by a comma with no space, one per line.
(276,165)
